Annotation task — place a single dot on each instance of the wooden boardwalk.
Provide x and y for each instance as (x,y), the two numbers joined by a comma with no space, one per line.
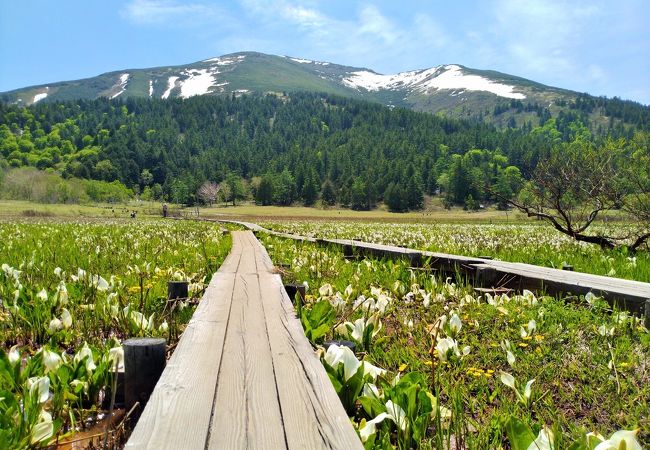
(243,374)
(628,294)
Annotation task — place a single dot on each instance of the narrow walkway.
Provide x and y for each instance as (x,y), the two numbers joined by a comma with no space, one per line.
(628,294)
(243,374)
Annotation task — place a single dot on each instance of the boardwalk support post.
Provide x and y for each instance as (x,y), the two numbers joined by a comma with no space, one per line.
(486,276)
(293,289)
(177,289)
(647,313)
(415,259)
(144,361)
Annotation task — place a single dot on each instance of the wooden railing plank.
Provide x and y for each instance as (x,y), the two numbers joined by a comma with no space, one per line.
(630,294)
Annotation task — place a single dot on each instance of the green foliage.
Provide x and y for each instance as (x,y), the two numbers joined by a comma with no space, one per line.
(360,148)
(80,288)
(317,320)
(30,184)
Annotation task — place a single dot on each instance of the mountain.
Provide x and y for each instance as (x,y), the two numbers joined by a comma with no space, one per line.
(453,89)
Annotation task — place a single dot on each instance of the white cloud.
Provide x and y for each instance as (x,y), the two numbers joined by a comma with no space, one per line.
(373,23)
(367,38)
(542,35)
(166,11)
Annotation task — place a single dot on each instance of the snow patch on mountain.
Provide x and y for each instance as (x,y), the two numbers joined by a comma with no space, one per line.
(301,61)
(454,78)
(448,77)
(150,88)
(199,82)
(225,61)
(171,83)
(40,96)
(124,79)
(307,61)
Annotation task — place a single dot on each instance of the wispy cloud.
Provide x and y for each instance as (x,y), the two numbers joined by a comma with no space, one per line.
(542,35)
(166,12)
(366,37)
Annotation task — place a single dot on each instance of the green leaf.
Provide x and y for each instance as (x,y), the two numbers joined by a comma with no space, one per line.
(519,434)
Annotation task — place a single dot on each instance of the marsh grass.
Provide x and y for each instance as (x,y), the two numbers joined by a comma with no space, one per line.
(584,381)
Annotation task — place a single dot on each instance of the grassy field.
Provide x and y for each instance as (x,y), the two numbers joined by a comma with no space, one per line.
(12,208)
(444,367)
(70,292)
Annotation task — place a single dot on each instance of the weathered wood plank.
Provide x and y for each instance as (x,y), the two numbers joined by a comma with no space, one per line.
(247,412)
(243,374)
(629,294)
(313,415)
(184,395)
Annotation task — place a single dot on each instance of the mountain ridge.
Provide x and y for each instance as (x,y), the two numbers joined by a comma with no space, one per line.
(452,89)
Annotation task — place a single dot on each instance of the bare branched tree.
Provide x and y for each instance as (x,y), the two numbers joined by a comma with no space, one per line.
(208,192)
(580,181)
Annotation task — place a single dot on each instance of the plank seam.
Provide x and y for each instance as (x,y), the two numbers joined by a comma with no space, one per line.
(223,345)
(275,376)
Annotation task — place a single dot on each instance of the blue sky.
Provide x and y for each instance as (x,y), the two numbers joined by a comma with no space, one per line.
(597,46)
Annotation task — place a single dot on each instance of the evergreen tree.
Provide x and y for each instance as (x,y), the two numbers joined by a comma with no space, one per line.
(285,188)
(414,192)
(310,188)
(395,198)
(328,194)
(264,194)
(358,195)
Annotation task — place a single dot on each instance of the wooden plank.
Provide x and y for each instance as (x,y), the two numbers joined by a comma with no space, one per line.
(243,374)
(312,413)
(627,293)
(247,412)
(188,382)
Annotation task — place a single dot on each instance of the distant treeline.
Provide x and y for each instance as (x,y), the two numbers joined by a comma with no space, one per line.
(279,149)
(29,183)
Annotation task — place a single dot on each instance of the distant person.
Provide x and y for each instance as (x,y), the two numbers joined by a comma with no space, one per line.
(164,209)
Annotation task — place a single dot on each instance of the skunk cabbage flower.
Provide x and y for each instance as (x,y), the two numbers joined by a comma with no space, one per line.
(54,326)
(85,354)
(336,355)
(66,319)
(43,430)
(369,428)
(447,347)
(455,324)
(62,293)
(42,295)
(14,355)
(509,381)
(373,371)
(40,388)
(116,356)
(51,360)
(620,440)
(325,290)
(545,440)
